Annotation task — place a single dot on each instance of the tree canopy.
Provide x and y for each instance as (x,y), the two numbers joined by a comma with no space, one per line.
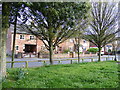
(53,22)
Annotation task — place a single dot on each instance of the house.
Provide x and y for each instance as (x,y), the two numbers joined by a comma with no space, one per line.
(27,43)
(71,46)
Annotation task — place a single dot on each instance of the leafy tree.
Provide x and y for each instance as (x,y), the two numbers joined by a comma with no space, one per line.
(94,50)
(53,22)
(103,23)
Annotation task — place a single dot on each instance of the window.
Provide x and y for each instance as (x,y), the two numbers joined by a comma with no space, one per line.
(17,47)
(21,36)
(84,41)
(31,37)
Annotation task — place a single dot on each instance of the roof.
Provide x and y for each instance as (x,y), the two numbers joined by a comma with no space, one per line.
(19,30)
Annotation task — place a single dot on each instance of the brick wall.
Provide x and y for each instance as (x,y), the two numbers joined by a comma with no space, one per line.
(68,44)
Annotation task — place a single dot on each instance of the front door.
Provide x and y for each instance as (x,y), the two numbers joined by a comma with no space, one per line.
(29,48)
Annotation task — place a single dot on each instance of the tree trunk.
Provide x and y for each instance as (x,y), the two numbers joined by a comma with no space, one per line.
(14,38)
(5,26)
(78,50)
(99,54)
(3,52)
(51,52)
(0,49)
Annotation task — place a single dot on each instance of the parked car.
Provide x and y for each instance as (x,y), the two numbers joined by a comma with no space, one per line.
(118,52)
(102,53)
(109,53)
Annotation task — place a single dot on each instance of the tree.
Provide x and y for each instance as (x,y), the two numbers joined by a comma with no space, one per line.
(103,23)
(80,26)
(0,44)
(53,22)
(16,9)
(3,32)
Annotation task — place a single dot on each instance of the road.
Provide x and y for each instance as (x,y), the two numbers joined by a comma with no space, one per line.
(37,64)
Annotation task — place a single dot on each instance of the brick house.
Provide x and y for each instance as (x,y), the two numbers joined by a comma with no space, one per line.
(26,43)
(69,45)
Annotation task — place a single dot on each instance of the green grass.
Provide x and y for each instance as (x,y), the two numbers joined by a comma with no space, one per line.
(85,75)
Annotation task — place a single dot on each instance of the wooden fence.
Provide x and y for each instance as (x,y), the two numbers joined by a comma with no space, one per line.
(59,61)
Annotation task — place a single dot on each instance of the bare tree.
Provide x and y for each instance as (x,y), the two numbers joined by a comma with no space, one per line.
(103,24)
(81,25)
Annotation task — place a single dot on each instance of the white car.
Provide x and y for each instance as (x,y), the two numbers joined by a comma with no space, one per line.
(102,52)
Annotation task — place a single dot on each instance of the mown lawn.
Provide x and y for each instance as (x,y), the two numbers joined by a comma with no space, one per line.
(84,75)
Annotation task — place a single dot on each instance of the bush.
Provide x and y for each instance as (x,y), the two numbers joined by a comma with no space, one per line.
(93,50)
(66,50)
(79,52)
(109,50)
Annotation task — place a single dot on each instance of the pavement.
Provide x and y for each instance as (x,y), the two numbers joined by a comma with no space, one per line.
(37,64)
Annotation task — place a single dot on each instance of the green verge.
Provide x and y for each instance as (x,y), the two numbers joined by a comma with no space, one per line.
(83,75)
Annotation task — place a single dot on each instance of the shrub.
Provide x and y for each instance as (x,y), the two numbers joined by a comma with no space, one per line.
(66,50)
(79,52)
(109,50)
(93,50)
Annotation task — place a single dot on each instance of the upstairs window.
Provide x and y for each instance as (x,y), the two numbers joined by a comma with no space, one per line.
(32,38)
(21,36)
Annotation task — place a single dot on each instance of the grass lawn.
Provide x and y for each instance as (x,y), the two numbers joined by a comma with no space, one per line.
(83,75)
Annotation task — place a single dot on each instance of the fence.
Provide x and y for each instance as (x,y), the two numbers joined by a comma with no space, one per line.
(59,61)
(63,55)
